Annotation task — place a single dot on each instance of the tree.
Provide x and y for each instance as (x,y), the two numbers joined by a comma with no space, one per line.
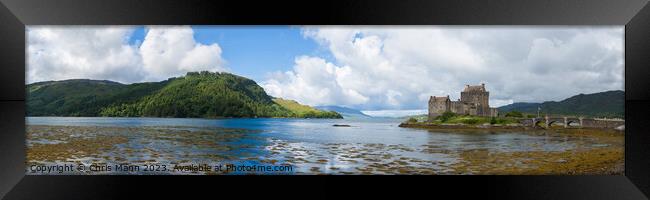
(493,120)
(412,120)
(446,116)
(514,114)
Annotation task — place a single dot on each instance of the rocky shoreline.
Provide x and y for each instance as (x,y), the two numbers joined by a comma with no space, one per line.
(510,127)
(488,127)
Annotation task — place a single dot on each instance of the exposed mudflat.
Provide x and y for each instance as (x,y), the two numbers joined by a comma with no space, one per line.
(568,151)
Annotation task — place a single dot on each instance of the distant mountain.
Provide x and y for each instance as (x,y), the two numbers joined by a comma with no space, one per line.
(201,95)
(602,104)
(346,112)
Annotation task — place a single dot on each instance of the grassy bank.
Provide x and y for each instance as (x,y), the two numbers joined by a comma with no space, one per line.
(303,111)
(449,118)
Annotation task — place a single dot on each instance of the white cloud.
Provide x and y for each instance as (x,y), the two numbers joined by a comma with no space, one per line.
(56,53)
(313,81)
(400,67)
(172,51)
(64,52)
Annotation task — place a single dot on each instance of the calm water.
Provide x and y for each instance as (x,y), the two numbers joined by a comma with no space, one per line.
(312,145)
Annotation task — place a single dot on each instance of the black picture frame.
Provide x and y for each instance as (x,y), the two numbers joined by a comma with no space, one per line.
(635,15)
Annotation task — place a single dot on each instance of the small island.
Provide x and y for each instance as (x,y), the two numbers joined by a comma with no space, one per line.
(341,125)
(453,121)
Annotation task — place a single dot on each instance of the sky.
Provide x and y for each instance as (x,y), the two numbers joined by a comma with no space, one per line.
(380,69)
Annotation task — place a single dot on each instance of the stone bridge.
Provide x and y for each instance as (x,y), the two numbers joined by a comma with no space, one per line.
(572,122)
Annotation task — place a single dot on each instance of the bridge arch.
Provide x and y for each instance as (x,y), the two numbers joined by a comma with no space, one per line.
(551,122)
(568,122)
(573,122)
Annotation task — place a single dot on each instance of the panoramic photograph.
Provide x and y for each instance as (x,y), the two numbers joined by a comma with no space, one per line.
(330,100)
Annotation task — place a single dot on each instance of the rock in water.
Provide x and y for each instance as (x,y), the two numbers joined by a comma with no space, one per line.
(620,128)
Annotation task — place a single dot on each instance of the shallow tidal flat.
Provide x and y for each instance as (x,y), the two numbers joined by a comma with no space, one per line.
(98,145)
(571,151)
(594,152)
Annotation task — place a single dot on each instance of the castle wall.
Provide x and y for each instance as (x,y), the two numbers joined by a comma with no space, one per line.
(494,112)
(456,107)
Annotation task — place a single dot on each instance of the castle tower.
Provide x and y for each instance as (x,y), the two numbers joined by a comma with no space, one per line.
(478,96)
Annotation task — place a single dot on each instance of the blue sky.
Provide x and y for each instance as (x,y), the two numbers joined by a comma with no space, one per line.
(253,51)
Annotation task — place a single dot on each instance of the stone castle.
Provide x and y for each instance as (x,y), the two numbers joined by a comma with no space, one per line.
(474,100)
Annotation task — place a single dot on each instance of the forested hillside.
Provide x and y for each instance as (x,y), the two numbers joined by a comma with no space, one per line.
(200,95)
(602,104)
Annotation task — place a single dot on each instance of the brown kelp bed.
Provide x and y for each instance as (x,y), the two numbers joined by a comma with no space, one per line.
(603,154)
(50,145)
(592,151)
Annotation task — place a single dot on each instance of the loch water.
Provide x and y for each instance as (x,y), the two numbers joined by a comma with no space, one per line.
(310,146)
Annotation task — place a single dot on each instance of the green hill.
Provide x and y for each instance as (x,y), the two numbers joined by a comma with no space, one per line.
(602,104)
(304,111)
(82,97)
(204,95)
